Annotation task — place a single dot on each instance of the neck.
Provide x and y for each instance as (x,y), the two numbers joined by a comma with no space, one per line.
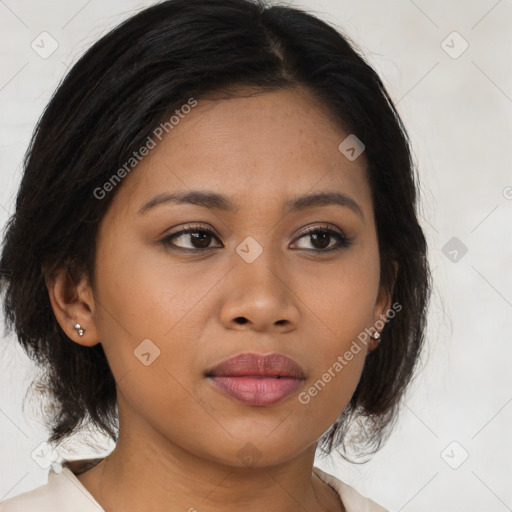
(149,473)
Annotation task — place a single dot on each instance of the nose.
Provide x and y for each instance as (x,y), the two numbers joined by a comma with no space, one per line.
(259,296)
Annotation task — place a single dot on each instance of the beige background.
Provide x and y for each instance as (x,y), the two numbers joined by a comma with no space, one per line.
(458,113)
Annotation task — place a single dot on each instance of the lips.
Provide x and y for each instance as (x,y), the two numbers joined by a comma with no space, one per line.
(257,379)
(254,365)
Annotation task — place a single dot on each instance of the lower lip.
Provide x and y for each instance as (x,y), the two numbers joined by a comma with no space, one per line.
(257,391)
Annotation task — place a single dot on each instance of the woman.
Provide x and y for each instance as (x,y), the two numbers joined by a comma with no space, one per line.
(215,257)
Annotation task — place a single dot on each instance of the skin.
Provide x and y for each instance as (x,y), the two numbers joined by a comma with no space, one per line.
(179,436)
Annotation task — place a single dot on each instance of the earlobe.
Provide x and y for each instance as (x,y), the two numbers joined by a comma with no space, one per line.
(73,306)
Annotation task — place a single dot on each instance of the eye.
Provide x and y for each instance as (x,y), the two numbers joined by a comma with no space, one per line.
(200,238)
(197,237)
(321,238)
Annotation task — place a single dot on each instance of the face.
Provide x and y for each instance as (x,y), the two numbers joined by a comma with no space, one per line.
(261,276)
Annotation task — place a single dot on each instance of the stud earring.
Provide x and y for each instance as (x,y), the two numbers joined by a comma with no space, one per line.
(81,331)
(376,336)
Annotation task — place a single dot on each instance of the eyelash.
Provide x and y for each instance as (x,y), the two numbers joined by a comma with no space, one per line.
(343,241)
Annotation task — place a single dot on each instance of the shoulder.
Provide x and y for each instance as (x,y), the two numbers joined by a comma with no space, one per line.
(352,500)
(63,492)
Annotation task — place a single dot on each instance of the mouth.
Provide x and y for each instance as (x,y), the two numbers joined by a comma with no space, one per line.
(257,379)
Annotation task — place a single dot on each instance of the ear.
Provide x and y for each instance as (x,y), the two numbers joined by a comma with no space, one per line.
(73,303)
(382,306)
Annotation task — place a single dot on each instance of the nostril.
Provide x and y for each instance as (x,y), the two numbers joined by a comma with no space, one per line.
(241,320)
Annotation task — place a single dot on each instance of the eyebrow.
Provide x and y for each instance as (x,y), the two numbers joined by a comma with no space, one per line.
(215,201)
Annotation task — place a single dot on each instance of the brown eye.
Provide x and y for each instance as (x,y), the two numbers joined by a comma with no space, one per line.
(321,238)
(195,238)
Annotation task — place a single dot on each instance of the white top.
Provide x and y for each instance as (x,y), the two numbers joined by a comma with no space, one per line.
(65,493)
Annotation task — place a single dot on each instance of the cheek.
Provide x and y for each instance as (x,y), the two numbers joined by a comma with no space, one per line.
(343,300)
(143,292)
(342,297)
(151,312)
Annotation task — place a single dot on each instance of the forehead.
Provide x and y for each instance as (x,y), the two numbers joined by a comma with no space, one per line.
(259,149)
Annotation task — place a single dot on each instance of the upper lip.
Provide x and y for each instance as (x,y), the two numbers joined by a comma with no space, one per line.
(253,364)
